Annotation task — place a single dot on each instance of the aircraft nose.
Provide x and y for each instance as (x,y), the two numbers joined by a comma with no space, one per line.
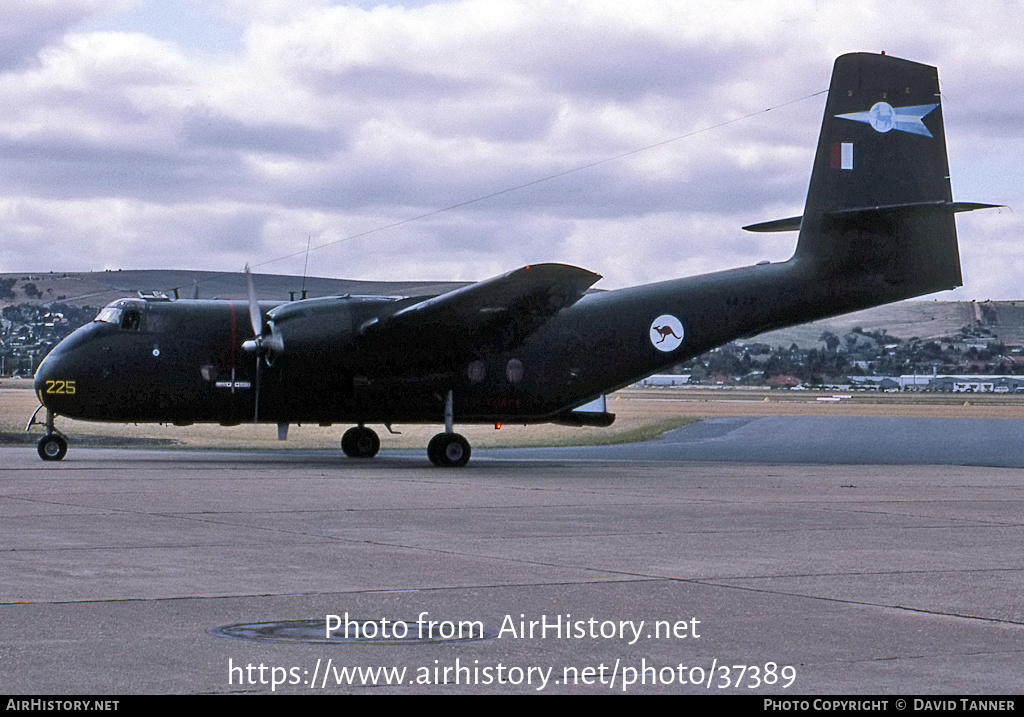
(51,379)
(44,375)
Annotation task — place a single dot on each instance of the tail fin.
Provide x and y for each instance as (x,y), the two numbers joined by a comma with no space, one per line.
(879,207)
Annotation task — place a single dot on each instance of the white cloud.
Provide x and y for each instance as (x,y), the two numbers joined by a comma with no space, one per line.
(28,26)
(332,119)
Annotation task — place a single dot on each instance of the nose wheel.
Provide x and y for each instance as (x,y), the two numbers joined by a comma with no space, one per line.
(53,446)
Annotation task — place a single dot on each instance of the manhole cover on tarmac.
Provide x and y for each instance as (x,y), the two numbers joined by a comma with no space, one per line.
(357,631)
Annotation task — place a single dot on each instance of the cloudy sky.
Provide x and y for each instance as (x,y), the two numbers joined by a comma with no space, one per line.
(206,134)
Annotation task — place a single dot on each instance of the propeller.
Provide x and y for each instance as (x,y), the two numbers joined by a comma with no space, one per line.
(263,342)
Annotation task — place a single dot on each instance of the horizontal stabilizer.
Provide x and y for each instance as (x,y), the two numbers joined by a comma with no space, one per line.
(792,224)
(789,224)
(952,207)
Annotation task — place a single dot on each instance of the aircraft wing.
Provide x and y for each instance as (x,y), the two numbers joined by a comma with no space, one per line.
(500,312)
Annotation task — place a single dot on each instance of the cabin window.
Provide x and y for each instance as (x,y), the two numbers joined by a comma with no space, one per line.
(514,371)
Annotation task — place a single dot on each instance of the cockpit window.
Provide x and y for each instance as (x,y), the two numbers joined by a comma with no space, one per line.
(126,314)
(109,315)
(132,320)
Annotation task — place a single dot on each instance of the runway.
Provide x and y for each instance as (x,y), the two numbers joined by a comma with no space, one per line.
(855,440)
(830,564)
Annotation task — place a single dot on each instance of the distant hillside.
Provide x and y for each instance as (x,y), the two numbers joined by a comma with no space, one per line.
(98,288)
(906,319)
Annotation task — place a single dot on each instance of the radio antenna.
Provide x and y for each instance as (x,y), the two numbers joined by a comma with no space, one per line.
(309,238)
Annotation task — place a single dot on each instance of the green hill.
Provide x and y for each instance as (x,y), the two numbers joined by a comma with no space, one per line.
(926,320)
(98,288)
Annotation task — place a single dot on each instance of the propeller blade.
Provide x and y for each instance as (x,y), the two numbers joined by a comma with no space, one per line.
(256,396)
(255,318)
(254,345)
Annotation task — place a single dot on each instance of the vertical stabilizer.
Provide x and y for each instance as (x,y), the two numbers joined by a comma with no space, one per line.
(879,204)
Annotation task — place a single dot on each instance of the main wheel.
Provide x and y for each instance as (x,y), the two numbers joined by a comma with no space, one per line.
(360,442)
(434,449)
(448,450)
(52,447)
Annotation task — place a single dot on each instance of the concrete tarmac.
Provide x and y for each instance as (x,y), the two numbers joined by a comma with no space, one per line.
(121,572)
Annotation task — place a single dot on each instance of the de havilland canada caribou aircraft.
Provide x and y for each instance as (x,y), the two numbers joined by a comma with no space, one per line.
(532,345)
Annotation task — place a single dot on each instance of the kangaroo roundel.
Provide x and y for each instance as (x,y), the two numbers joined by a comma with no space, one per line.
(666,333)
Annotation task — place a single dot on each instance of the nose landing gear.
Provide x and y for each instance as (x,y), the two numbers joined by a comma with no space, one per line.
(53,446)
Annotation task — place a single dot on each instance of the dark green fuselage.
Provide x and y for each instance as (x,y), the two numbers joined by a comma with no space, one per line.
(183,362)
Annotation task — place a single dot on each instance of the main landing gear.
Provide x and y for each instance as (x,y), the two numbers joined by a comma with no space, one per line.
(53,446)
(360,442)
(448,449)
(445,450)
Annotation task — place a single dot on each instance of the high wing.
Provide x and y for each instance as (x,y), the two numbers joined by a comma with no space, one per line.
(498,313)
(382,335)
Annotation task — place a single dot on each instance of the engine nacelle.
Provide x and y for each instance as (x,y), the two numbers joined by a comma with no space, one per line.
(329,327)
